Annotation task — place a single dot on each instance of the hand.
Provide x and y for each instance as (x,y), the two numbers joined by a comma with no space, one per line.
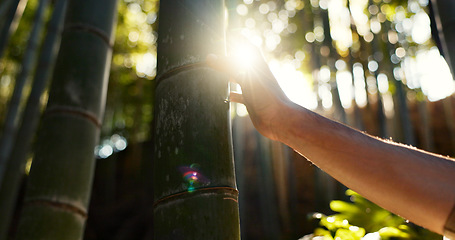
(261,93)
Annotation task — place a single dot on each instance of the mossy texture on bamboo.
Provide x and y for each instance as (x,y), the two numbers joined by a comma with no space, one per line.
(208,215)
(58,224)
(188,31)
(194,183)
(192,128)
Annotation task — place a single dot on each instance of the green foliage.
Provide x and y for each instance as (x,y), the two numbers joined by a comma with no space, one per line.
(362,219)
(131,84)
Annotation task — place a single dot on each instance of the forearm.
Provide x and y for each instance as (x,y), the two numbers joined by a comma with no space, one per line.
(414,184)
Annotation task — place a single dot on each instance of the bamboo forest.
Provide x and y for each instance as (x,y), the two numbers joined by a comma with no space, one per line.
(113,127)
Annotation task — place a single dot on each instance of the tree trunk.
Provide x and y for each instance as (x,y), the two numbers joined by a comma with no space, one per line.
(55,205)
(21,149)
(194,184)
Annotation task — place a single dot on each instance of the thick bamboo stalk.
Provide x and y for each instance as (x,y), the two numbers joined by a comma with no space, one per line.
(21,149)
(194,184)
(58,191)
(12,115)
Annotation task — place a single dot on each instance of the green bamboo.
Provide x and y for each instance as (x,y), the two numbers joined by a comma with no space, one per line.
(16,163)
(11,13)
(12,115)
(58,191)
(195,193)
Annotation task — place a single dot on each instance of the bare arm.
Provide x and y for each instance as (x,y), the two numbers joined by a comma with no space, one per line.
(414,184)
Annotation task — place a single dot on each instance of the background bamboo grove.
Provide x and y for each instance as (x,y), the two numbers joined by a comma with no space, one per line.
(91,145)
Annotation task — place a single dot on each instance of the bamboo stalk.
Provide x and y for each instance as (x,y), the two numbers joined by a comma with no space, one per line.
(402,108)
(426,126)
(11,13)
(449,117)
(4,6)
(238,135)
(445,20)
(267,192)
(194,184)
(30,119)
(12,115)
(58,191)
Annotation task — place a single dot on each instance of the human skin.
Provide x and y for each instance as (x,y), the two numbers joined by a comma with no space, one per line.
(412,183)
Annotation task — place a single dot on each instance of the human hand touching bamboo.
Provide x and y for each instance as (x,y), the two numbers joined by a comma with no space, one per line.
(409,182)
(261,92)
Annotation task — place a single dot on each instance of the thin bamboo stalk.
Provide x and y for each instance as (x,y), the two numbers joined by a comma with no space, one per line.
(194,183)
(58,191)
(9,20)
(238,135)
(445,20)
(339,111)
(12,115)
(4,6)
(280,171)
(427,136)
(382,121)
(30,119)
(402,108)
(267,192)
(449,117)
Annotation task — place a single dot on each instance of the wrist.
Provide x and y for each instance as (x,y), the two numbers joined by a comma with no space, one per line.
(285,120)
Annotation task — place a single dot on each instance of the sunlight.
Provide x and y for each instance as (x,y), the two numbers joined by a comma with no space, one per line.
(294,84)
(244,55)
(345,88)
(359,85)
(430,72)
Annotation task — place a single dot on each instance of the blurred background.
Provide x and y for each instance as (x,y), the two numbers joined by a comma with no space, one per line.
(375,65)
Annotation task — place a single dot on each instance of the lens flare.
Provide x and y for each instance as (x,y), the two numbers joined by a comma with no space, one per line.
(244,55)
(193,177)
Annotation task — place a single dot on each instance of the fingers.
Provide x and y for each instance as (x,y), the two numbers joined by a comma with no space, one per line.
(236,97)
(221,63)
